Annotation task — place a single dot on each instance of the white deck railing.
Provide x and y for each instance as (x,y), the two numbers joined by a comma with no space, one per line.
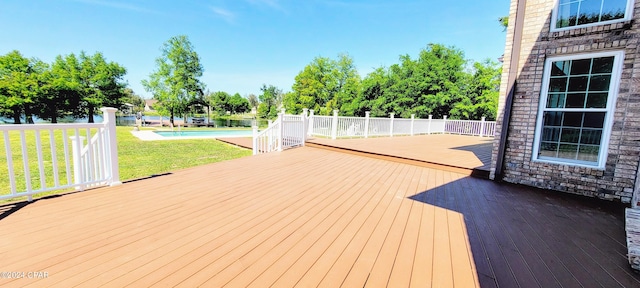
(355,127)
(63,160)
(286,132)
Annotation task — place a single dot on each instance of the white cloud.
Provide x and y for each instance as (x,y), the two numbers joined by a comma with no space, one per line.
(275,4)
(224,14)
(118,5)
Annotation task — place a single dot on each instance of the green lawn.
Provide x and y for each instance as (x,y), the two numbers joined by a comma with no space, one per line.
(136,158)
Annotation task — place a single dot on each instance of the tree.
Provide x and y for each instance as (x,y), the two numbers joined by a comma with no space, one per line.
(176,81)
(504,22)
(134,99)
(60,89)
(325,85)
(100,84)
(18,85)
(238,104)
(270,97)
(220,101)
(482,93)
(253,100)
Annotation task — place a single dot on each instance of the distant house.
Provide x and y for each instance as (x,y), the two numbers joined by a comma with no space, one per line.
(569,109)
(148,104)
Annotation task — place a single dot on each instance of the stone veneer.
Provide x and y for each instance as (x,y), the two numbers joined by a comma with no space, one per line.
(617,181)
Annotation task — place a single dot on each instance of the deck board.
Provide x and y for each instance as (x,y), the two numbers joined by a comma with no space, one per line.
(315,217)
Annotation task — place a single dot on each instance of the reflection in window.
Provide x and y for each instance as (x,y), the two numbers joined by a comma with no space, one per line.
(582,12)
(575,109)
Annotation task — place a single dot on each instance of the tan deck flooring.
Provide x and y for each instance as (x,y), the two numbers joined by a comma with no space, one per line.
(469,152)
(305,217)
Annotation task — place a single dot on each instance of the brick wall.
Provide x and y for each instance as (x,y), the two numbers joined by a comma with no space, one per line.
(616,182)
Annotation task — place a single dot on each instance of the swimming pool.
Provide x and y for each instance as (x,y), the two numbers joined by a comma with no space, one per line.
(205,133)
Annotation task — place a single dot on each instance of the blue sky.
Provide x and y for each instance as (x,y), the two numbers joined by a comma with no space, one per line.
(245,43)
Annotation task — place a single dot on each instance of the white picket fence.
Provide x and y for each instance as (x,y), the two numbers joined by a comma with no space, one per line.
(363,127)
(63,159)
(286,132)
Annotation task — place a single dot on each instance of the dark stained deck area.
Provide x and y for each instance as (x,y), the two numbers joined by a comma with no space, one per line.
(312,217)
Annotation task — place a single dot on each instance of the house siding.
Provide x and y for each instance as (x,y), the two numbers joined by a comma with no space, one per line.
(617,180)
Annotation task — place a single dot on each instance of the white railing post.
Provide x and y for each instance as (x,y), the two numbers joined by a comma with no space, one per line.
(109,116)
(429,126)
(482,123)
(334,125)
(366,123)
(305,125)
(391,116)
(280,130)
(413,118)
(77,142)
(310,129)
(254,142)
(282,110)
(444,118)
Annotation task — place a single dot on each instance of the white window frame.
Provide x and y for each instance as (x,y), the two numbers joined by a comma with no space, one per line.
(628,15)
(614,87)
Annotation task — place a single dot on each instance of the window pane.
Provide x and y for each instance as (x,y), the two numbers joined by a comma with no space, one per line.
(594,120)
(575,100)
(567,15)
(602,65)
(613,9)
(578,84)
(548,149)
(591,136)
(567,151)
(550,134)
(588,153)
(599,83)
(558,84)
(555,100)
(552,118)
(570,135)
(597,100)
(582,66)
(560,68)
(589,11)
(572,119)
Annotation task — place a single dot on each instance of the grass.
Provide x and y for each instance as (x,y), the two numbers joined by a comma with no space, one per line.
(137,159)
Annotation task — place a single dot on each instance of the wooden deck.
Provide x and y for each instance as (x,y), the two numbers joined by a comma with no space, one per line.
(312,217)
(467,155)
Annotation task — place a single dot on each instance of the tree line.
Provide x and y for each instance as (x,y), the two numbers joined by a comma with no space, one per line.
(70,86)
(438,82)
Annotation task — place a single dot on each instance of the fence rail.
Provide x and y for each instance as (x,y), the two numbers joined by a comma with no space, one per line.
(286,132)
(63,160)
(356,127)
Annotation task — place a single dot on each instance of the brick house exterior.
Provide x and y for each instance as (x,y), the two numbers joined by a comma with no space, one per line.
(598,154)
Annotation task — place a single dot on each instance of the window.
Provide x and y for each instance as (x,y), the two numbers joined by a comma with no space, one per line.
(572,13)
(576,108)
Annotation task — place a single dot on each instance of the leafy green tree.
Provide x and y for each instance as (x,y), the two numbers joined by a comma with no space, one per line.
(270,97)
(324,85)
(18,85)
(220,101)
(238,104)
(60,89)
(134,99)
(176,81)
(504,22)
(482,93)
(100,84)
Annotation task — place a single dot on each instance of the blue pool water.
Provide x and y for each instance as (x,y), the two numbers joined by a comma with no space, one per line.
(205,133)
